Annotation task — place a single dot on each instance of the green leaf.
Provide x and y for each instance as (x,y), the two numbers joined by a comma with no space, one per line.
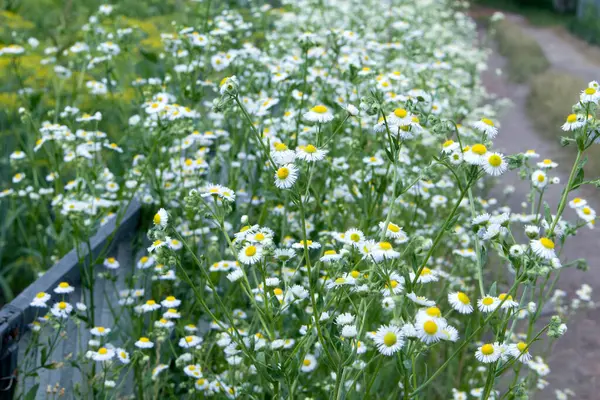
(492,291)
(31,393)
(547,213)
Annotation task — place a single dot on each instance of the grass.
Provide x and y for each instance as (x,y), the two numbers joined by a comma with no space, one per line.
(550,100)
(525,56)
(535,15)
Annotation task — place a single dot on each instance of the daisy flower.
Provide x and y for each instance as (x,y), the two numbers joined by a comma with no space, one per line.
(123,356)
(309,243)
(577,202)
(394,286)
(309,363)
(64,288)
(157,244)
(384,251)
(508,301)
(539,179)
(310,153)
(99,331)
(399,117)
(61,310)
(111,263)
(543,247)
(158,369)
(144,343)
(250,254)
(281,154)
(547,164)
(319,113)
(354,237)
(460,302)
(40,300)
(488,304)
(430,330)
(421,300)
(486,126)
(344,319)
(150,306)
(494,164)
(586,213)
(427,275)
(388,339)
(286,176)
(589,95)
(475,154)
(349,331)
(520,351)
(450,333)
(103,354)
(449,146)
(190,341)
(393,231)
(489,353)
(193,371)
(330,256)
(170,302)
(161,218)
(572,123)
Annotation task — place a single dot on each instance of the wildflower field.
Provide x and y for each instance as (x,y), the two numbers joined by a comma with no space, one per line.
(315,182)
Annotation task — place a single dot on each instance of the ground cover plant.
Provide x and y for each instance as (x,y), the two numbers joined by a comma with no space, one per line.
(318,224)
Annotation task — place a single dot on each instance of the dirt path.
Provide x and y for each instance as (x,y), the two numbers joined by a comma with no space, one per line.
(575,362)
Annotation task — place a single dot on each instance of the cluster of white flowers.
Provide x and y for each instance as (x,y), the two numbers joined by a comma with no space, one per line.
(320,223)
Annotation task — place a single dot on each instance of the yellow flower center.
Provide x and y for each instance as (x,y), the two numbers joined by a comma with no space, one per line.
(487,121)
(111,260)
(547,243)
(590,91)
(495,160)
(394,284)
(40,295)
(250,251)
(541,178)
(320,109)
(123,354)
(330,253)
(400,112)
(278,291)
(170,298)
(150,302)
(62,305)
(157,219)
(434,312)
(488,301)
(547,161)
(355,274)
(487,349)
(355,237)
(448,143)
(385,245)
(283,173)
(506,296)
(340,280)
(189,339)
(390,339)
(425,271)
(394,228)
(310,149)
(587,210)
(144,259)
(430,327)
(100,329)
(479,149)
(463,298)
(571,118)
(521,346)
(306,362)
(157,242)
(144,340)
(280,147)
(102,350)
(63,285)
